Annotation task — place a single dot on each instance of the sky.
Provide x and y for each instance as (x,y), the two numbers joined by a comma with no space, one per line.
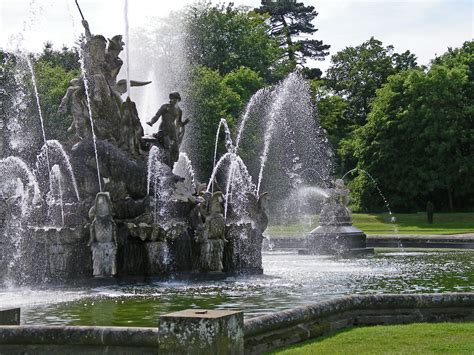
(425,27)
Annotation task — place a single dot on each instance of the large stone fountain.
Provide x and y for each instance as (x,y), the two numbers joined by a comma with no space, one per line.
(111,205)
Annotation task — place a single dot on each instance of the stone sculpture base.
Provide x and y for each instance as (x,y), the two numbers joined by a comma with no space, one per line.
(336,240)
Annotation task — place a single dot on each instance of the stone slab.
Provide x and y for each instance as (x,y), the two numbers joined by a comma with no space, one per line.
(202,331)
(10,316)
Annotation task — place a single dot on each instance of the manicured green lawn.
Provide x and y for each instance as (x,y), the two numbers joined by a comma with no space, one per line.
(419,338)
(406,223)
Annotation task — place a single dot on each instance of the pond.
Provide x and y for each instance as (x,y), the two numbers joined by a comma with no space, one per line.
(290,280)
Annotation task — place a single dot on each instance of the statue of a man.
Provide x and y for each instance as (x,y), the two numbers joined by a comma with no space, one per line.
(75,101)
(167,134)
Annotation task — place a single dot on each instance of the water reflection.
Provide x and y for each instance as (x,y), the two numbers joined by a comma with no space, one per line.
(290,280)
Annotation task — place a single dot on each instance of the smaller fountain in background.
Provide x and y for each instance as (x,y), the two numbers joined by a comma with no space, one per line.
(335,233)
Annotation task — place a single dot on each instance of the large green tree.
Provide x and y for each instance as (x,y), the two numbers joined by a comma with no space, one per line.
(225,38)
(357,72)
(417,142)
(290,21)
(54,70)
(211,97)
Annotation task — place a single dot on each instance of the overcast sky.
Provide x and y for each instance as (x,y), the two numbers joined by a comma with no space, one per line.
(425,27)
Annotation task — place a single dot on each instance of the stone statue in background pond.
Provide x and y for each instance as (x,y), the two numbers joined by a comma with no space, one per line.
(171,129)
(103,237)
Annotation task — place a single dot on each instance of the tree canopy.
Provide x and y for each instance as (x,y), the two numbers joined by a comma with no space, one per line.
(225,38)
(418,138)
(289,21)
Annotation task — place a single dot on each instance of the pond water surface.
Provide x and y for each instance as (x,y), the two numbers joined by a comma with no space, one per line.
(289,280)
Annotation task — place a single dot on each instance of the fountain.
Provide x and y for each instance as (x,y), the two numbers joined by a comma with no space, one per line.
(336,235)
(112,205)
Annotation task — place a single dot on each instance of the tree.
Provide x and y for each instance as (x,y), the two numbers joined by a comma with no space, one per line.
(331,111)
(225,38)
(66,58)
(417,142)
(212,97)
(290,20)
(357,72)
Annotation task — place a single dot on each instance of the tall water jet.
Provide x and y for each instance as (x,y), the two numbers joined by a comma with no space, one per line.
(385,201)
(254,101)
(228,142)
(89,108)
(40,113)
(268,136)
(127,48)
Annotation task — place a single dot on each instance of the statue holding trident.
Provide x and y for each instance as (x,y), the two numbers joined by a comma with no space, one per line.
(171,129)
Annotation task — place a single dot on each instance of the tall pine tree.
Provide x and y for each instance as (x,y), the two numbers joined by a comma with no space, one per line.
(290,21)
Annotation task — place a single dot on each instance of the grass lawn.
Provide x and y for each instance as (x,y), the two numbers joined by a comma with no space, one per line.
(406,223)
(418,338)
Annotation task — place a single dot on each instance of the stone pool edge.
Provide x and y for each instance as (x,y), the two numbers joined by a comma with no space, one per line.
(260,334)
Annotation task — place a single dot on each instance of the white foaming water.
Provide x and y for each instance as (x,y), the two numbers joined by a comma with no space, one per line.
(312,191)
(272,119)
(217,166)
(254,101)
(184,168)
(56,195)
(13,168)
(229,146)
(58,156)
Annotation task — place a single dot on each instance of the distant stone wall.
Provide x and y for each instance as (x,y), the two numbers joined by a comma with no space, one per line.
(284,328)
(260,334)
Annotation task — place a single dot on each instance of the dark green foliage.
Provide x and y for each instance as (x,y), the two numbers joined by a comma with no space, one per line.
(52,80)
(225,38)
(243,81)
(354,76)
(357,72)
(66,58)
(213,97)
(331,111)
(289,21)
(418,138)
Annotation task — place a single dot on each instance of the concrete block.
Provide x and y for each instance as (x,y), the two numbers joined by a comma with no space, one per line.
(10,316)
(202,332)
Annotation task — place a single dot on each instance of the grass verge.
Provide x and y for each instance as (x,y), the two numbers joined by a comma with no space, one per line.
(406,223)
(418,338)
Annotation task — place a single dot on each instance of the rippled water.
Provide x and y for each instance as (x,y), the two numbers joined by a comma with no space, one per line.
(290,280)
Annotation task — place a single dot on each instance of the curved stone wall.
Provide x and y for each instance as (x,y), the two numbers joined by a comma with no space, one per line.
(260,334)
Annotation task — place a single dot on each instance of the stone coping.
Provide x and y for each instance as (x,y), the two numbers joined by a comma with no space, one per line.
(260,334)
(455,241)
(79,335)
(297,315)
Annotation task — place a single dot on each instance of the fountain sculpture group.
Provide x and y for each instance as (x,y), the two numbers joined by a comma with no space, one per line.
(113,205)
(118,203)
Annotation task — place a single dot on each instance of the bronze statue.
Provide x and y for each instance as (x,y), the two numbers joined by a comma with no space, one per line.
(171,129)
